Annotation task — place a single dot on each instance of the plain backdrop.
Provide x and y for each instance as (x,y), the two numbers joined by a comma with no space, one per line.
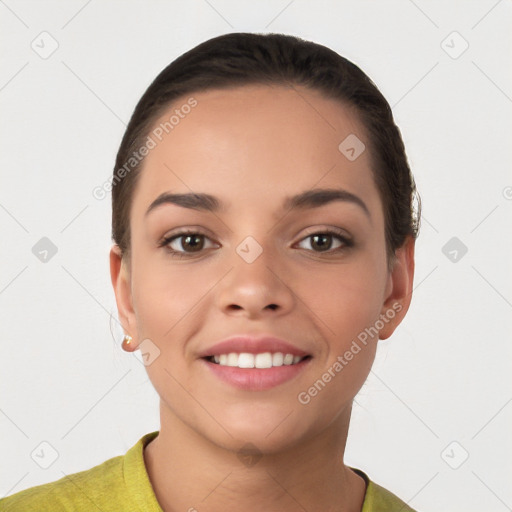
(432,422)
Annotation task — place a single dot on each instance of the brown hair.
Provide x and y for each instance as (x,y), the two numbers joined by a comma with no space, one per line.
(239,59)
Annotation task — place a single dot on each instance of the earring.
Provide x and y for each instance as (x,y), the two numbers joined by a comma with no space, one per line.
(126,342)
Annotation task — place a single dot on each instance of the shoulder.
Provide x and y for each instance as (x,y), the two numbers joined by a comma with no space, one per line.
(85,490)
(379,499)
(382,500)
(109,486)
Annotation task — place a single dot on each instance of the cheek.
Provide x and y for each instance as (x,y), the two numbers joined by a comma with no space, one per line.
(164,293)
(345,304)
(344,299)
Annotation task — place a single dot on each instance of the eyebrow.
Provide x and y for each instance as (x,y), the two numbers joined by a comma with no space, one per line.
(314,198)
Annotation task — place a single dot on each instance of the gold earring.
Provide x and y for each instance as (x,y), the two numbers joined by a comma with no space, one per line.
(126,341)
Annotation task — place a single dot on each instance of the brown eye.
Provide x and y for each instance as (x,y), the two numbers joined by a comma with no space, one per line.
(321,241)
(186,243)
(194,242)
(326,241)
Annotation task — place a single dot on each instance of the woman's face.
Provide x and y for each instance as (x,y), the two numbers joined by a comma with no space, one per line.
(260,265)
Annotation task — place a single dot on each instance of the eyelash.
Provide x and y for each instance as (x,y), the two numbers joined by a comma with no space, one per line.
(346,242)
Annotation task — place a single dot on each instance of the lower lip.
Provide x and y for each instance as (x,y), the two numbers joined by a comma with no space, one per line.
(257,379)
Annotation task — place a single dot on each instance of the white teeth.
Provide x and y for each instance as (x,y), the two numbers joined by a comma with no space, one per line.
(288,359)
(262,360)
(246,360)
(277,359)
(232,359)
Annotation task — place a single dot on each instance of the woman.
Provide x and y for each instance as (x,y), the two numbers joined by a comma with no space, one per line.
(264,230)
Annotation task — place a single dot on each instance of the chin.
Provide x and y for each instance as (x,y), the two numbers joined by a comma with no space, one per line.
(269,431)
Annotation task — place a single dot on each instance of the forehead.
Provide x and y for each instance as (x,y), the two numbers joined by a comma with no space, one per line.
(253,141)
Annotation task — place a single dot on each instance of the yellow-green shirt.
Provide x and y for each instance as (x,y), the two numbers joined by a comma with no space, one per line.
(122,484)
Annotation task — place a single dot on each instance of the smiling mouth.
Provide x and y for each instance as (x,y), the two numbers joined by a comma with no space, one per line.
(262,360)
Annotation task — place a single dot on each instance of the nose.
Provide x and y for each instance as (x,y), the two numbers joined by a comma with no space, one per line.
(256,289)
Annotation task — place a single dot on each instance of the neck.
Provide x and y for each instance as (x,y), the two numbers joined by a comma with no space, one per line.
(189,472)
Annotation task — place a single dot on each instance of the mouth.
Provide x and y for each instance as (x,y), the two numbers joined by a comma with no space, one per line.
(256,372)
(255,363)
(262,360)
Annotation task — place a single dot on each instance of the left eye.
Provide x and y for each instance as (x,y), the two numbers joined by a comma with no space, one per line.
(323,241)
(180,243)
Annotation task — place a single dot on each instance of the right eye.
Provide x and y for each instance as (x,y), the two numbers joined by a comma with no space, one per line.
(185,243)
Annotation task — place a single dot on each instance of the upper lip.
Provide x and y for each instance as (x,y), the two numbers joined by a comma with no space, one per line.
(252,345)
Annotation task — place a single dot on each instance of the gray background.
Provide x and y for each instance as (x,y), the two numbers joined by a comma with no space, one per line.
(440,389)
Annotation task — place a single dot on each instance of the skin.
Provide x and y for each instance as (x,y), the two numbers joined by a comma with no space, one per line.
(252,147)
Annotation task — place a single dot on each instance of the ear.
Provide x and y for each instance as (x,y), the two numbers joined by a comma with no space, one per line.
(121,282)
(399,289)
